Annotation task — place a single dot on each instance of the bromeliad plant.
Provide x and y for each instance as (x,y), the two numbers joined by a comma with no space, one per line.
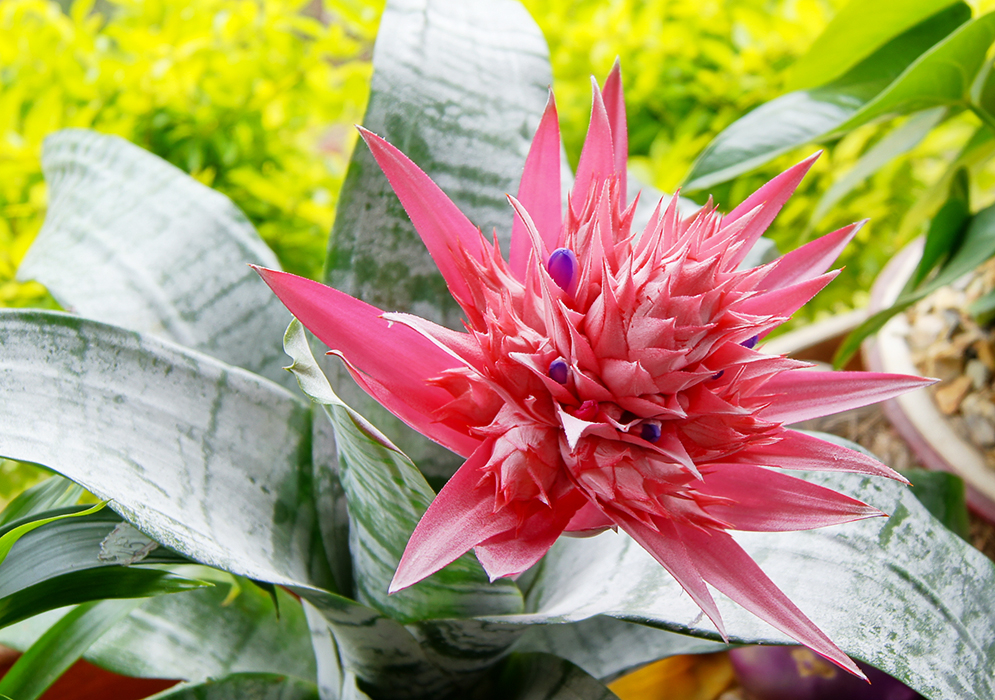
(607,380)
(566,426)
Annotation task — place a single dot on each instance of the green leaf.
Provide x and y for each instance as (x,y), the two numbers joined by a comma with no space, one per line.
(12,535)
(956,242)
(204,458)
(607,648)
(61,646)
(943,495)
(903,594)
(66,546)
(205,633)
(131,240)
(91,584)
(240,686)
(855,32)
(387,496)
(901,140)
(466,117)
(54,492)
(943,75)
(537,676)
(946,231)
(805,116)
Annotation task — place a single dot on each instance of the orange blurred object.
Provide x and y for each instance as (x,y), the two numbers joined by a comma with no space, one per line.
(685,677)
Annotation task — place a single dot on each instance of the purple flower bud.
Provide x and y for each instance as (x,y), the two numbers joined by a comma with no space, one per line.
(751,343)
(650,432)
(559,371)
(562,267)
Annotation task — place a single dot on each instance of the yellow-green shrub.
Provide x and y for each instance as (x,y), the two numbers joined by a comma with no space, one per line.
(249,96)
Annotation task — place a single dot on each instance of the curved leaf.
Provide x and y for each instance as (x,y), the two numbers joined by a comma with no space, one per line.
(855,32)
(131,240)
(61,646)
(88,585)
(207,459)
(20,529)
(64,547)
(54,492)
(905,595)
(258,686)
(459,87)
(807,115)
(943,75)
(206,633)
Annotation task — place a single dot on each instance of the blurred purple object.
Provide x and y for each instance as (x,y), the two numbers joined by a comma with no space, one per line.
(797,673)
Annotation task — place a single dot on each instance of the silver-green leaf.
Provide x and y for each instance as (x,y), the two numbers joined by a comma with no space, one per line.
(131,240)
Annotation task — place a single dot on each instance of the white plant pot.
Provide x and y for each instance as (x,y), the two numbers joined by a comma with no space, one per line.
(914,415)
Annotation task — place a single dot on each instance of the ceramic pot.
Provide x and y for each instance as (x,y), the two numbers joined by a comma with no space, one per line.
(915,415)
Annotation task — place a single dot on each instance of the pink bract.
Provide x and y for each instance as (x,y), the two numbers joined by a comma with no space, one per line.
(608,379)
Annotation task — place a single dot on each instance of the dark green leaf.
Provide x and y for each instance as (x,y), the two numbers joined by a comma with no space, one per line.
(946,231)
(807,115)
(54,492)
(91,584)
(904,594)
(208,633)
(13,534)
(387,496)
(63,547)
(943,495)
(207,459)
(943,75)
(131,240)
(539,676)
(459,87)
(855,32)
(61,646)
(977,246)
(243,686)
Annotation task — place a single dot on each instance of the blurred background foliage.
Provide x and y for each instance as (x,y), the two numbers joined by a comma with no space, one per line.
(257,98)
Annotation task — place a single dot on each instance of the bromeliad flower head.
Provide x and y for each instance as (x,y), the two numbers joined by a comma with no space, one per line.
(608,378)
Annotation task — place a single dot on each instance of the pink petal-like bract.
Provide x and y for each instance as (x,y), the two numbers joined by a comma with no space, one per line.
(607,378)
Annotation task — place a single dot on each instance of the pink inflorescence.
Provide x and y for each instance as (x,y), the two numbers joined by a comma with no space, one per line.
(608,378)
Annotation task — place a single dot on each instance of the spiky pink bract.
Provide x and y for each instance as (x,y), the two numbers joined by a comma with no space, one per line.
(623,390)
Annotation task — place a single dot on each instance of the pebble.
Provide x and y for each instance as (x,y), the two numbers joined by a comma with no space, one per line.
(949,396)
(949,345)
(978,373)
(979,419)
